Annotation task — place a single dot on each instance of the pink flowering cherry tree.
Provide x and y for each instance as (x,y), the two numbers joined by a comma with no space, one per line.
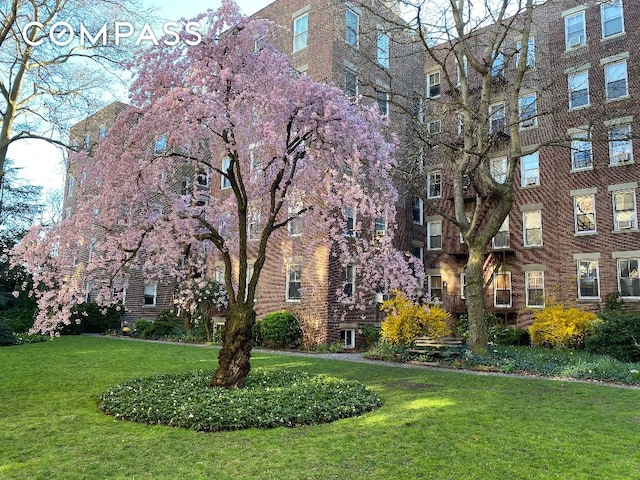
(229,108)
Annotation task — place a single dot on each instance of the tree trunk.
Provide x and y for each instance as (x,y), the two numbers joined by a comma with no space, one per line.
(475,300)
(233,360)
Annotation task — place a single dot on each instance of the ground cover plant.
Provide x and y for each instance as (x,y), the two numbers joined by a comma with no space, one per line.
(433,424)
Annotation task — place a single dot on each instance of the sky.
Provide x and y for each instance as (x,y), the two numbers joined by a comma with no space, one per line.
(42,162)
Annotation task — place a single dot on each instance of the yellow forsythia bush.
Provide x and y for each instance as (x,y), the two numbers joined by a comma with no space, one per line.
(559,327)
(407,320)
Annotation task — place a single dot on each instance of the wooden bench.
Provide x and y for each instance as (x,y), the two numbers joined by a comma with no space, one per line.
(441,347)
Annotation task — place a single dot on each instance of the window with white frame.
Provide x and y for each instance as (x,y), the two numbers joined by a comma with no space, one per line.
(382,98)
(92,250)
(55,249)
(502,289)
(160,146)
(383,52)
(350,83)
(87,292)
(434,127)
(575,30)
(348,338)
(293,282)
(417,210)
(434,184)
(581,151)
(624,210)
(620,145)
(150,294)
(433,84)
(531,52)
(71,186)
(300,32)
(204,176)
(87,141)
(434,235)
(253,222)
(502,239)
(102,132)
(528,110)
(579,89)
(497,68)
(628,279)
(349,221)
(584,213)
(497,118)
(119,293)
(616,80)
(224,179)
(530,170)
(352,28)
(588,283)
(463,285)
(498,167)
(434,286)
(534,286)
(380,226)
(612,18)
(294,226)
(218,275)
(418,252)
(349,283)
(532,227)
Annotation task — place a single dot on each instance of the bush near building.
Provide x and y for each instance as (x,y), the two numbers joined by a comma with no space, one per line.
(617,333)
(280,330)
(407,320)
(557,326)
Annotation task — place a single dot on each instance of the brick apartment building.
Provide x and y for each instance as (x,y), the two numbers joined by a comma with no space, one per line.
(353,48)
(572,233)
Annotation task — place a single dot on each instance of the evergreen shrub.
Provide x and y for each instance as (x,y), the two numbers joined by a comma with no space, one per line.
(280,329)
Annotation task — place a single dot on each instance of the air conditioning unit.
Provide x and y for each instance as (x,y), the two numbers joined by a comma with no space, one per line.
(625,224)
(576,41)
(531,181)
(380,233)
(381,297)
(622,157)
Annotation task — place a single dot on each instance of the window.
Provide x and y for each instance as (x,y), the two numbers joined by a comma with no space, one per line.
(579,89)
(92,250)
(534,286)
(434,285)
(102,132)
(575,32)
(253,223)
(584,209)
(203,177)
(497,68)
(300,32)
(348,338)
(416,210)
(349,283)
(620,146)
(615,77)
(433,84)
(380,226)
(418,252)
(225,182)
(498,167)
(624,210)
(532,228)
(497,118)
(531,52)
(352,30)
(350,83)
(581,153)
(528,110)
(55,249)
(294,282)
(503,237)
(150,294)
(502,289)
(295,224)
(383,102)
(161,145)
(628,280)
(71,186)
(463,285)
(530,170)
(87,292)
(434,235)
(434,127)
(588,286)
(383,49)
(434,184)
(87,140)
(612,19)
(349,221)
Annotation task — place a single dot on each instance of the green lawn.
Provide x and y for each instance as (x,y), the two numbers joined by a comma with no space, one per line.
(433,425)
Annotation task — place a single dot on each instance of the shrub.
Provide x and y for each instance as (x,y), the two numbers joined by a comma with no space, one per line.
(281,330)
(559,327)
(158,329)
(495,326)
(7,337)
(513,336)
(617,334)
(406,320)
(89,317)
(371,335)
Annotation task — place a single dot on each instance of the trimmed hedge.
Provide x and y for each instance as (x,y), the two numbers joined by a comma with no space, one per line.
(280,329)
